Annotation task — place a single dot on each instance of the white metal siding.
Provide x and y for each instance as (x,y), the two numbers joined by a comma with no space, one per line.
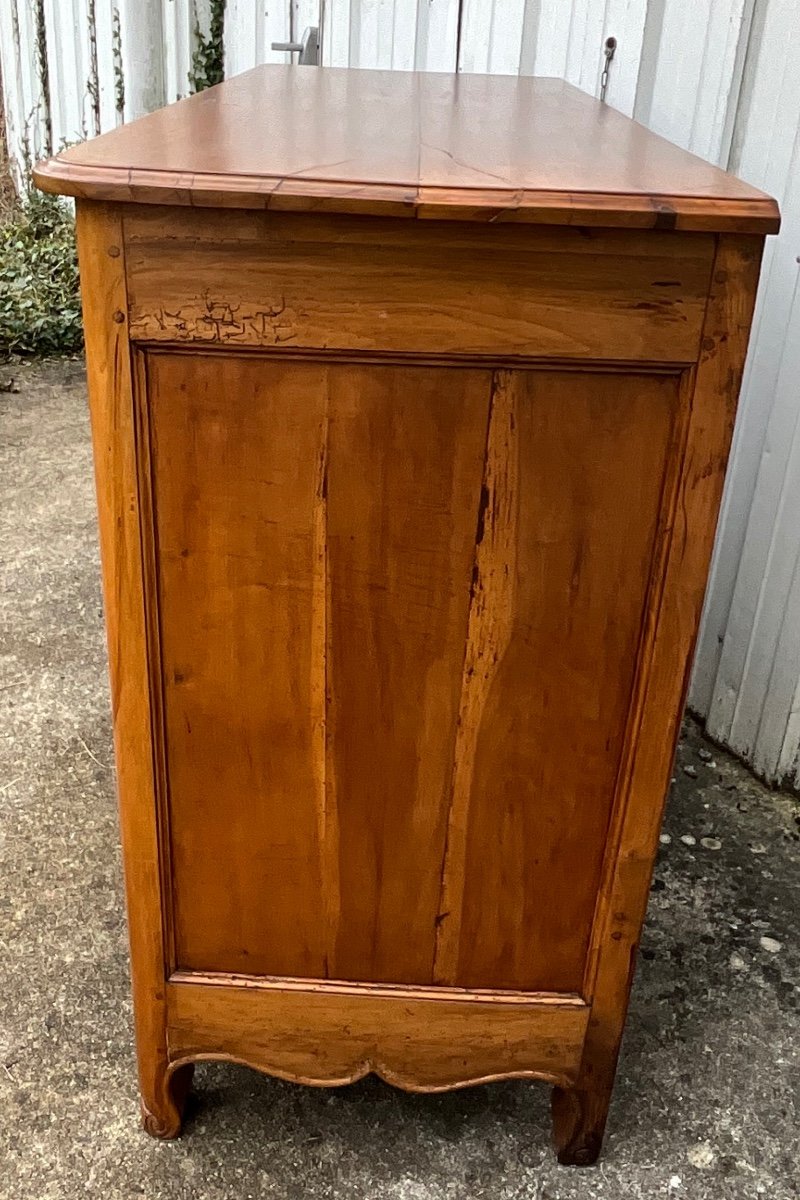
(719,79)
(748,662)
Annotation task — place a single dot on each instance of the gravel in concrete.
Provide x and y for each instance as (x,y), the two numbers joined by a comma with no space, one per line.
(706,1103)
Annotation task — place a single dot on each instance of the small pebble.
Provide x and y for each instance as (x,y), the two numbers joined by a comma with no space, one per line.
(689,839)
(771,945)
(711,843)
(691,771)
(702,1155)
(757,848)
(736,962)
(665,839)
(674,1181)
(705,755)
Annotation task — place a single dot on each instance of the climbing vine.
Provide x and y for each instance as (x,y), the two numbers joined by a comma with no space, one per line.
(93,82)
(116,50)
(40,28)
(208,60)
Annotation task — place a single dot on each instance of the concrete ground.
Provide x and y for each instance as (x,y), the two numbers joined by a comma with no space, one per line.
(706,1101)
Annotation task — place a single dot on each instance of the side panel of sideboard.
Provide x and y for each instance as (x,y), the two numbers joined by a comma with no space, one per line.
(664,337)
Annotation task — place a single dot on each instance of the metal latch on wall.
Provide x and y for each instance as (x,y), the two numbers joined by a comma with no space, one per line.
(609,50)
(308,48)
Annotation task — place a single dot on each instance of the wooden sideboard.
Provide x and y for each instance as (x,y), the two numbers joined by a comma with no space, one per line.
(411,400)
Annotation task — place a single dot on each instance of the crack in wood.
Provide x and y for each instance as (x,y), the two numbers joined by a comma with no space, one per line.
(220,321)
(489,629)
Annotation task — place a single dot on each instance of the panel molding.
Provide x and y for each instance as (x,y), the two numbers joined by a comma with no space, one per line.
(142,449)
(447,932)
(351,987)
(710,408)
(488,362)
(670,499)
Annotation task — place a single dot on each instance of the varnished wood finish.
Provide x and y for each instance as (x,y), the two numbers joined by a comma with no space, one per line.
(712,390)
(410,595)
(101,248)
(405,529)
(236,450)
(423,1040)
(295,281)
(465,147)
(574,537)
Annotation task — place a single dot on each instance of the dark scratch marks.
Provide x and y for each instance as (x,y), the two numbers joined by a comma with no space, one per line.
(211,320)
(512,204)
(467,166)
(322,472)
(684,513)
(666,217)
(303,173)
(474,584)
(665,308)
(483,505)
(577,569)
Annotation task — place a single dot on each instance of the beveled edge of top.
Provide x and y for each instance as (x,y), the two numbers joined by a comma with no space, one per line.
(65,173)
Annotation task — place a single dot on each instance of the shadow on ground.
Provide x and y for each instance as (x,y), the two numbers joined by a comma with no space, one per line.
(705,1104)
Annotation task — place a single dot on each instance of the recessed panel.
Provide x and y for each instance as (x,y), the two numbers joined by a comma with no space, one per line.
(399,610)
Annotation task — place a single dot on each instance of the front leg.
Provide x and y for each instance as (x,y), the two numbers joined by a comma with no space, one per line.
(579,1121)
(164,1099)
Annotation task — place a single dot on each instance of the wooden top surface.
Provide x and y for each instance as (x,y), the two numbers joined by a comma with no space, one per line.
(473,147)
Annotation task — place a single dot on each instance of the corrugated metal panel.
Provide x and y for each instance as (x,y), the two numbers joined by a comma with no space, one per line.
(401,35)
(179,19)
(748,663)
(250,30)
(692,72)
(718,79)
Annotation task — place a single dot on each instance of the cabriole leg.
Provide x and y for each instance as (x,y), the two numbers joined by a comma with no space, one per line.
(579,1121)
(163,1102)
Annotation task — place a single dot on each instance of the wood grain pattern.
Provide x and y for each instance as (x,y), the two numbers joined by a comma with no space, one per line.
(401,596)
(405,460)
(100,243)
(417,1040)
(539,796)
(710,403)
(235,453)
(433,577)
(305,564)
(489,631)
(296,282)
(327,832)
(466,146)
